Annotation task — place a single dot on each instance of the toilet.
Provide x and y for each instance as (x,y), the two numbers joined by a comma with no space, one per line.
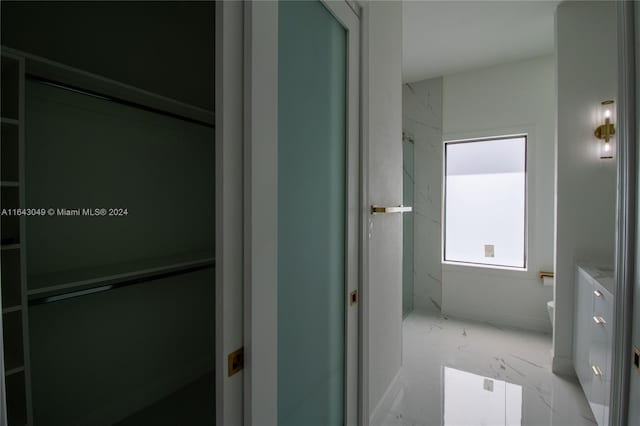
(551,305)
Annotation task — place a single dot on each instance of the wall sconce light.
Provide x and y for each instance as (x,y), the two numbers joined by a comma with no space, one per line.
(607,130)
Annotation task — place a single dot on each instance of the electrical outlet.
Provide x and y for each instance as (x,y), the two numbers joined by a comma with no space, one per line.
(489,250)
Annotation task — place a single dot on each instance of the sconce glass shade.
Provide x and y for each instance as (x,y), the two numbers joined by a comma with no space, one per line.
(606,149)
(606,129)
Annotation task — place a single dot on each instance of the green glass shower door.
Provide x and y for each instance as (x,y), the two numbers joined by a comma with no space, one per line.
(312,138)
(408,183)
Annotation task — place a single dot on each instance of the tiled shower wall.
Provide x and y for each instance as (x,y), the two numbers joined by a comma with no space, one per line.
(422,122)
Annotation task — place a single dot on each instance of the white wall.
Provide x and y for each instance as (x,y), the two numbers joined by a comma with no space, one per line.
(383,114)
(506,99)
(585,184)
(422,120)
(88,36)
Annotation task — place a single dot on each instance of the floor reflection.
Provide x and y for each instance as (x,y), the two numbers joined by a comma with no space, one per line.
(473,399)
(463,373)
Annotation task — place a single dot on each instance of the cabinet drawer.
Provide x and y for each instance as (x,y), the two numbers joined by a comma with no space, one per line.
(600,360)
(601,340)
(599,392)
(603,304)
(593,336)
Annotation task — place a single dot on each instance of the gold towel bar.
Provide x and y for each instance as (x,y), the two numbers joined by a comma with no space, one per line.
(543,274)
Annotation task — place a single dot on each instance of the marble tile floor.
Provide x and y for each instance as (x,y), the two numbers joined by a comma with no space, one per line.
(462,373)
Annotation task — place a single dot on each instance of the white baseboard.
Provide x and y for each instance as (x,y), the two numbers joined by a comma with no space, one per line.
(563,366)
(377,414)
(541,325)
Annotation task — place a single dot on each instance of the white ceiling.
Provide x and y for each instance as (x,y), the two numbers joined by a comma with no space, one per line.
(445,37)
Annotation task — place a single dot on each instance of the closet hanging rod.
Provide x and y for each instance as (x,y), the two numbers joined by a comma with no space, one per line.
(85,291)
(131,104)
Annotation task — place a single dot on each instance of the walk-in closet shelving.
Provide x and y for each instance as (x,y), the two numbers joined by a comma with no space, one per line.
(158,259)
(16,372)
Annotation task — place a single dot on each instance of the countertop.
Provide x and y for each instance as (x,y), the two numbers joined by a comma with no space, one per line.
(603,275)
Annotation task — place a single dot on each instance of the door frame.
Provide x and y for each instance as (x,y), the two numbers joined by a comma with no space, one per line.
(260,174)
(349,17)
(626,236)
(229,248)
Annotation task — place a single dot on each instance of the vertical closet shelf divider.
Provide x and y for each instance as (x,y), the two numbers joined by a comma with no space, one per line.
(16,374)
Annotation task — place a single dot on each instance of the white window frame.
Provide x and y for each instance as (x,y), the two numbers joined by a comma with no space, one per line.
(493,136)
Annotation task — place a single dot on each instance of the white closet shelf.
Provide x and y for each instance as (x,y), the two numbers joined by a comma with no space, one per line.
(12,309)
(7,120)
(14,371)
(100,278)
(10,246)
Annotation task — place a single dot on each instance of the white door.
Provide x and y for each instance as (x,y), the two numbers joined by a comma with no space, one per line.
(302,213)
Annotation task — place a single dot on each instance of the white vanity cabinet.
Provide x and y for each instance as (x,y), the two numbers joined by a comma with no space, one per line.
(593,334)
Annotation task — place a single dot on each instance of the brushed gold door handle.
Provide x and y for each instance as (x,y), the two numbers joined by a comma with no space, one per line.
(391,209)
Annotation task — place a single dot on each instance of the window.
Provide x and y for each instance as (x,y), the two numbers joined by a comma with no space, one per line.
(485,201)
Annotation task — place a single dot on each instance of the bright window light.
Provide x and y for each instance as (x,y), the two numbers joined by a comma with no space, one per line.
(485,201)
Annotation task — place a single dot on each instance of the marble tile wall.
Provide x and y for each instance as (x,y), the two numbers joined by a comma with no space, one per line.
(422,122)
